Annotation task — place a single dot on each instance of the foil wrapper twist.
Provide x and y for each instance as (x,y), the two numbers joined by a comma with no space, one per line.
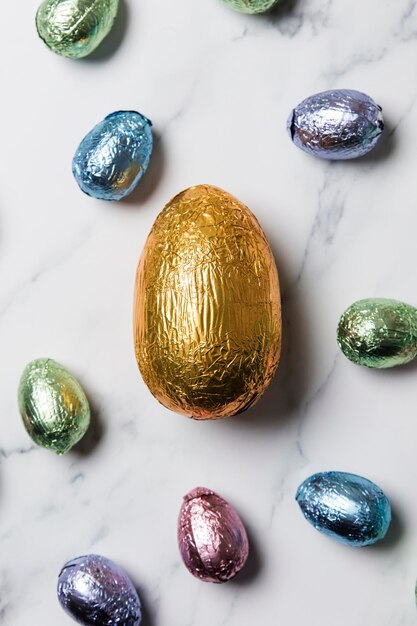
(336,125)
(378,333)
(74,28)
(113,157)
(53,406)
(211,536)
(95,591)
(207,319)
(251,6)
(346,507)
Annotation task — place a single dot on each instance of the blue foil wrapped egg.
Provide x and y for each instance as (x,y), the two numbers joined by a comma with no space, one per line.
(113,157)
(346,507)
(337,125)
(93,590)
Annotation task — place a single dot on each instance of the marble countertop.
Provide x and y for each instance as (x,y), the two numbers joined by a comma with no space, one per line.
(218,87)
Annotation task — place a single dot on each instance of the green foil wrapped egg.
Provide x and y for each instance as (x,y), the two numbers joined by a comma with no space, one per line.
(53,406)
(74,28)
(251,6)
(378,333)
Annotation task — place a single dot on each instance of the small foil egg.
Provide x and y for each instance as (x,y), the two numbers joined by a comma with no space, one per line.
(211,536)
(207,313)
(74,28)
(95,591)
(346,507)
(378,333)
(53,406)
(337,125)
(251,6)
(113,157)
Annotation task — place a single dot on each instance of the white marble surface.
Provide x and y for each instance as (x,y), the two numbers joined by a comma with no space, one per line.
(218,87)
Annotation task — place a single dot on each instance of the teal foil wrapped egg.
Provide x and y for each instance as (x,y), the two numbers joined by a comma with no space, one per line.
(251,6)
(74,28)
(113,157)
(53,406)
(346,507)
(378,333)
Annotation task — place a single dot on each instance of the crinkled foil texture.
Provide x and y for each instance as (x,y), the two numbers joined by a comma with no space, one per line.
(346,507)
(336,125)
(211,537)
(207,322)
(251,6)
(74,28)
(53,406)
(113,157)
(95,591)
(378,333)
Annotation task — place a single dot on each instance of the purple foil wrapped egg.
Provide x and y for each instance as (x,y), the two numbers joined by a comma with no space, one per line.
(211,537)
(337,125)
(95,591)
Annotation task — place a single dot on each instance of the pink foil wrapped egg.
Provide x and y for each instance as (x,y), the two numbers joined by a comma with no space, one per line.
(211,537)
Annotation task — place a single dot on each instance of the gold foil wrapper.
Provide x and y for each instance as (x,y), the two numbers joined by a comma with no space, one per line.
(207,313)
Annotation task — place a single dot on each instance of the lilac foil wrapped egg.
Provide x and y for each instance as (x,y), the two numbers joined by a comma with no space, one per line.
(114,155)
(95,591)
(211,537)
(338,125)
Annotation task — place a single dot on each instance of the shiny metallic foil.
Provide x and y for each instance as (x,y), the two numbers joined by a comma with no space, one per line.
(378,333)
(211,537)
(251,6)
(53,406)
(95,591)
(113,157)
(337,125)
(74,28)
(346,507)
(207,318)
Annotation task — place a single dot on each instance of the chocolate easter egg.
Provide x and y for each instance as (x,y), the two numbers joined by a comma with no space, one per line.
(251,6)
(379,333)
(53,406)
(95,591)
(207,320)
(346,507)
(337,125)
(211,536)
(113,157)
(74,28)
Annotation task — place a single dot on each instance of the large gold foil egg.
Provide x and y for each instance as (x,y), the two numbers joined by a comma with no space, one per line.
(207,315)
